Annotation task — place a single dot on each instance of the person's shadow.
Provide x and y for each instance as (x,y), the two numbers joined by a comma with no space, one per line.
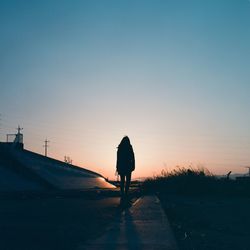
(125,202)
(124,233)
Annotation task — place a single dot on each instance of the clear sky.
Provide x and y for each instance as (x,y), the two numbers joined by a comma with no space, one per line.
(172,75)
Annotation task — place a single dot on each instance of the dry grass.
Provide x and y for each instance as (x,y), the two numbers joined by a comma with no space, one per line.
(194,181)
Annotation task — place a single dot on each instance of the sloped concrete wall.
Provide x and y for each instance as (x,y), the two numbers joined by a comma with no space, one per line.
(12,182)
(52,172)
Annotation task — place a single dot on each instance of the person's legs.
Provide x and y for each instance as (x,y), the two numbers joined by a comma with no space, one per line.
(128,179)
(122,177)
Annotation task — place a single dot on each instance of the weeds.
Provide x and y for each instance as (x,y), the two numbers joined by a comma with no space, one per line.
(194,181)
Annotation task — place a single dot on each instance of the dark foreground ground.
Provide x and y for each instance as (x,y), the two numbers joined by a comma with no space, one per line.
(209,222)
(53,222)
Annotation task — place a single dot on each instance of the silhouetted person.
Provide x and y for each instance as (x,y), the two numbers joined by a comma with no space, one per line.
(125,164)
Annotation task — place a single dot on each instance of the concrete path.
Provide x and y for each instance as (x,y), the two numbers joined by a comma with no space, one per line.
(143,226)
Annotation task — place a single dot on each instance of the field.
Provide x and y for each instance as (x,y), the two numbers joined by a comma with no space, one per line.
(205,212)
(209,222)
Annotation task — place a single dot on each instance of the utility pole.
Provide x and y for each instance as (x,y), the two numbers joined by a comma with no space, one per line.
(46,146)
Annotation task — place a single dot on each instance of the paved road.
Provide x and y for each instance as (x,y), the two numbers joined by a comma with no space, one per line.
(83,223)
(53,223)
(144,226)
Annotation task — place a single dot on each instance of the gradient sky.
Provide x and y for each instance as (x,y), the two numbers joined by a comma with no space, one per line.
(172,75)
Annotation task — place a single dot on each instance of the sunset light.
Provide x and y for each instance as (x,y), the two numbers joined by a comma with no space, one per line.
(173,77)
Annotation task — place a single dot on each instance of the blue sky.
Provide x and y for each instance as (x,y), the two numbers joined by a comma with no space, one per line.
(173,75)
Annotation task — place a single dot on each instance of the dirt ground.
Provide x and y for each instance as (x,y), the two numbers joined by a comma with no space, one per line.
(209,222)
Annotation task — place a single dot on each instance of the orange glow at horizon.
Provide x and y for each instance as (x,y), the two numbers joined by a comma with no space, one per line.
(151,159)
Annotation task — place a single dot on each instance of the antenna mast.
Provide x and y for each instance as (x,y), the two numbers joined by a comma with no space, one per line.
(19,130)
(19,136)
